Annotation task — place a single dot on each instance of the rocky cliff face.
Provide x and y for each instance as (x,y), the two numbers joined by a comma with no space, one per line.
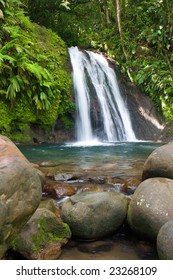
(146,122)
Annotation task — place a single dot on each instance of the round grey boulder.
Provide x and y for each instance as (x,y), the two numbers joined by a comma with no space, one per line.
(165,241)
(93,215)
(151,206)
(159,163)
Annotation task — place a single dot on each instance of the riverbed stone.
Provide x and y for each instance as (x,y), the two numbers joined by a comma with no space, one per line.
(58,189)
(43,236)
(94,215)
(159,163)
(63,177)
(151,206)
(130,185)
(20,192)
(165,241)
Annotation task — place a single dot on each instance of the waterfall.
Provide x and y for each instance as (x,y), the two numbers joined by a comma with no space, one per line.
(101,111)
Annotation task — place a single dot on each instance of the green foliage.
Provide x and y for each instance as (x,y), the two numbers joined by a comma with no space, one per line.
(57,62)
(6,118)
(21,63)
(76,22)
(34,60)
(155,78)
(34,78)
(15,122)
(150,53)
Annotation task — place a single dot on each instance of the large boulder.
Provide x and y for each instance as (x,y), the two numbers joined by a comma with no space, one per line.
(43,236)
(92,215)
(165,241)
(151,206)
(20,192)
(159,163)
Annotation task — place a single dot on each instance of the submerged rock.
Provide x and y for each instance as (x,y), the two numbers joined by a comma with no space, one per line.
(93,215)
(91,188)
(159,163)
(165,241)
(20,192)
(95,247)
(151,206)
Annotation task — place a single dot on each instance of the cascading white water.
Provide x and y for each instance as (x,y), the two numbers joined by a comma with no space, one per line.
(83,124)
(94,79)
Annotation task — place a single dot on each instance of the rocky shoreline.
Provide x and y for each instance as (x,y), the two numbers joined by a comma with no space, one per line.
(80,206)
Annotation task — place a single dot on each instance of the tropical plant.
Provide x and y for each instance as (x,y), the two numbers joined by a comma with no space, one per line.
(32,70)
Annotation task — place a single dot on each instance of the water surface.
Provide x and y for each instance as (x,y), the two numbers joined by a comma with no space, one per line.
(121,158)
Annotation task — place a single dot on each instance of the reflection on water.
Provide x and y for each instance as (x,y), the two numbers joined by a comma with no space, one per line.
(124,245)
(126,159)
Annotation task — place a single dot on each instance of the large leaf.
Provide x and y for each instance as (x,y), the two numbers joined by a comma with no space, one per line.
(14,81)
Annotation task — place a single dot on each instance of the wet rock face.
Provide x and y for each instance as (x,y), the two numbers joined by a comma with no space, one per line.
(151,206)
(147,123)
(20,192)
(159,163)
(93,215)
(165,241)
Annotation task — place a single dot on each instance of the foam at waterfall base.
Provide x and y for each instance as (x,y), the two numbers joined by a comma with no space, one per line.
(96,142)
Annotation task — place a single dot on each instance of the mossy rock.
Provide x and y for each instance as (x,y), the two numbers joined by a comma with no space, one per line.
(43,236)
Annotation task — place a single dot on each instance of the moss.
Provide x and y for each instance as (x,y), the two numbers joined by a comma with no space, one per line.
(22,134)
(15,121)
(6,118)
(57,63)
(48,232)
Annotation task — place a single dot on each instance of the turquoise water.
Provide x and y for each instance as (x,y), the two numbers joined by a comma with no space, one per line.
(87,154)
(123,157)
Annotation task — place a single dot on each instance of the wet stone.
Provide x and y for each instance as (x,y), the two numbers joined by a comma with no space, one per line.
(63,177)
(56,189)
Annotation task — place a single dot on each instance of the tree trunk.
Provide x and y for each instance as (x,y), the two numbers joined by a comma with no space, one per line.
(106,12)
(118,15)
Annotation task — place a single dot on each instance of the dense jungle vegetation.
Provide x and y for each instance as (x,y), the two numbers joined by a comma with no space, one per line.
(35,82)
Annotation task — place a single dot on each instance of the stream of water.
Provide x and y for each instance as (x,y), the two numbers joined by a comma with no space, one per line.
(119,159)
